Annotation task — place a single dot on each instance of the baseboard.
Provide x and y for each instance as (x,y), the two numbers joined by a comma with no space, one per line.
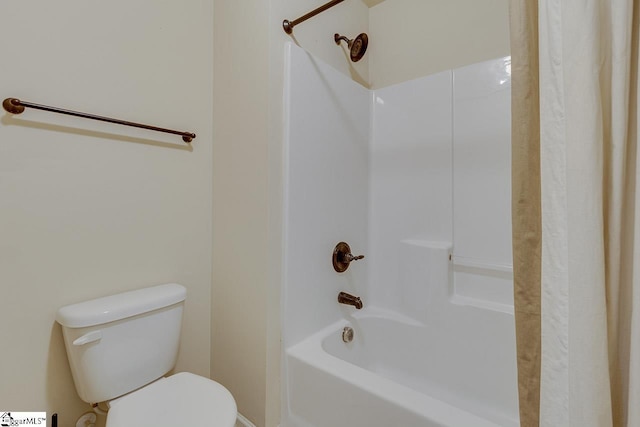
(243,422)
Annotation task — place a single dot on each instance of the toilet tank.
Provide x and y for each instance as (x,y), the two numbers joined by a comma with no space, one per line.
(122,342)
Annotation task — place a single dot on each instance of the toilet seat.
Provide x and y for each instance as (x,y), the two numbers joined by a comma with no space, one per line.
(183,399)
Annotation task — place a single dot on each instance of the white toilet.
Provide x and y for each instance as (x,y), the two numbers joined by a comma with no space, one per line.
(119,347)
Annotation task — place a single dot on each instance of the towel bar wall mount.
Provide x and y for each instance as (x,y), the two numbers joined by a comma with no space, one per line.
(16,106)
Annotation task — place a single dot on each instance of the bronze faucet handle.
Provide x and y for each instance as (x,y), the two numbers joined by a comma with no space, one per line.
(342,256)
(351,257)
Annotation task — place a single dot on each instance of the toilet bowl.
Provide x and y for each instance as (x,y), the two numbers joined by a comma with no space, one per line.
(119,349)
(183,399)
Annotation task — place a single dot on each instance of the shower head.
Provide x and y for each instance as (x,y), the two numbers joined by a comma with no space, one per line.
(357,46)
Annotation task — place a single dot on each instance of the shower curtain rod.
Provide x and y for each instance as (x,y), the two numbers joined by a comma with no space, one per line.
(288,25)
(16,106)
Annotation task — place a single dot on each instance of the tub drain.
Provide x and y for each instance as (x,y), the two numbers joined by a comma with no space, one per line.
(347,334)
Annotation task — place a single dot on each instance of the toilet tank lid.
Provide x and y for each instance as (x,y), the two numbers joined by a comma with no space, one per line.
(120,306)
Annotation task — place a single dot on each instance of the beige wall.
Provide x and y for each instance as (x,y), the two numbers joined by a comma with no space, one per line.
(415,38)
(240,254)
(88,208)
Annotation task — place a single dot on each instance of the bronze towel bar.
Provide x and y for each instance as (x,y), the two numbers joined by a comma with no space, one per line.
(15,106)
(288,25)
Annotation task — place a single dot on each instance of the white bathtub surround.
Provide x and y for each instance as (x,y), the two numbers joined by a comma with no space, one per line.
(440,171)
(327,191)
(434,344)
(482,184)
(410,182)
(456,368)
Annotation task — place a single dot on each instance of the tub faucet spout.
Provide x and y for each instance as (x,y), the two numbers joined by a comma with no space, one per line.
(348,299)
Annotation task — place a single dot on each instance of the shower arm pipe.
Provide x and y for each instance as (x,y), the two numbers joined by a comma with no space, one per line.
(288,25)
(16,106)
(338,37)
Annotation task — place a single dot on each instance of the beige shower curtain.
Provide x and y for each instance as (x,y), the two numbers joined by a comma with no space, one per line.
(576,211)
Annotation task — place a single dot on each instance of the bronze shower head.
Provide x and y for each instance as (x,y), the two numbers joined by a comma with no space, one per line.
(357,46)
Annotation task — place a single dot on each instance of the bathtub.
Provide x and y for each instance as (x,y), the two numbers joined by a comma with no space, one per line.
(398,372)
